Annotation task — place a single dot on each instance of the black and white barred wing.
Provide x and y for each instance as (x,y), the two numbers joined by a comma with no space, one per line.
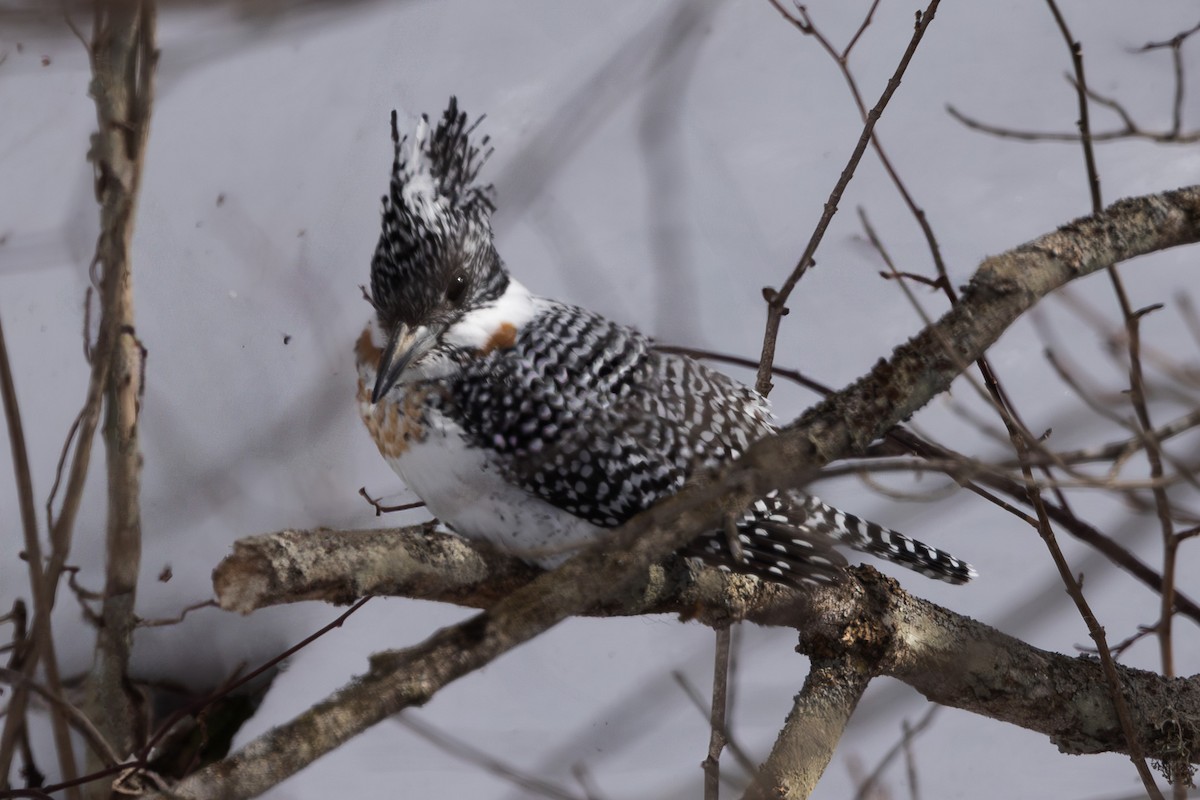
(584,414)
(566,415)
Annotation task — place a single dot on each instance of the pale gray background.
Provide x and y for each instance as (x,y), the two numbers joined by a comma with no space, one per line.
(659,162)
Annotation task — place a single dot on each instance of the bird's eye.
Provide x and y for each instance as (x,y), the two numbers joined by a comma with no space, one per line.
(457,288)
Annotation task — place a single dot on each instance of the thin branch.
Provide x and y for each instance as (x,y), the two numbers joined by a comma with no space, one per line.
(910,761)
(41,646)
(862,28)
(381,509)
(918,213)
(1075,526)
(1121,449)
(180,617)
(716,723)
(738,361)
(1085,128)
(899,748)
(1164,137)
(78,719)
(1137,398)
(1113,681)
(531,786)
(124,56)
(1175,43)
(697,700)
(224,690)
(777,299)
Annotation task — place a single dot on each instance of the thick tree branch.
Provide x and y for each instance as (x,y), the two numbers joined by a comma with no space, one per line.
(952,659)
(1003,288)
(813,729)
(340,566)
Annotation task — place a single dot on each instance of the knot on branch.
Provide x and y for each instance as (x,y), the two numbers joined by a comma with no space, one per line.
(853,623)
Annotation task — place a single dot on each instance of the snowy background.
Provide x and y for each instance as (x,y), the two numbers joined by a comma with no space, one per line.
(658,162)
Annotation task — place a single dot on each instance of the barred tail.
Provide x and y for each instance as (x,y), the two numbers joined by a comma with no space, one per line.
(789,539)
(890,545)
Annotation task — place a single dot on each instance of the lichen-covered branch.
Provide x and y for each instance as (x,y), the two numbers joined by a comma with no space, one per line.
(952,659)
(813,729)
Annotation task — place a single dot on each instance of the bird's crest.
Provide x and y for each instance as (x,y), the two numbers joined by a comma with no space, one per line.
(436,174)
(435,215)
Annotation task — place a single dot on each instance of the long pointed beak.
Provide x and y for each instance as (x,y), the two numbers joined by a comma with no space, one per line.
(404,346)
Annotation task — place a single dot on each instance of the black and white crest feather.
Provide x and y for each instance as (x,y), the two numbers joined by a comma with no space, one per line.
(435,220)
(448,159)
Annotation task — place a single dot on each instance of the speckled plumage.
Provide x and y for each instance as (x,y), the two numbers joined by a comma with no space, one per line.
(539,425)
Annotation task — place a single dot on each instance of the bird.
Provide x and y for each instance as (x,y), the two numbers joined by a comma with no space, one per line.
(538,426)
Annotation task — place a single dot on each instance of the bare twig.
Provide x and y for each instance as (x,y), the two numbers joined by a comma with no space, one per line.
(1138,400)
(1126,132)
(1112,678)
(910,761)
(77,718)
(1175,44)
(918,213)
(180,617)
(41,645)
(1062,517)
(790,374)
(529,784)
(381,509)
(241,680)
(717,726)
(900,747)
(1085,128)
(697,700)
(777,299)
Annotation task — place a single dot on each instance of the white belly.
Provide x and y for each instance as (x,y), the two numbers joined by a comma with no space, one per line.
(471,495)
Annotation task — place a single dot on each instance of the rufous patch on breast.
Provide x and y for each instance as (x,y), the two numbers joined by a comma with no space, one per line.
(394,426)
(504,337)
(365,350)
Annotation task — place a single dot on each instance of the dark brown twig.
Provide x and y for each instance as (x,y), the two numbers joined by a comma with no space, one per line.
(717,714)
(900,747)
(1085,127)
(159,622)
(381,509)
(697,699)
(77,718)
(1174,44)
(918,213)
(777,299)
(1137,399)
(1129,129)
